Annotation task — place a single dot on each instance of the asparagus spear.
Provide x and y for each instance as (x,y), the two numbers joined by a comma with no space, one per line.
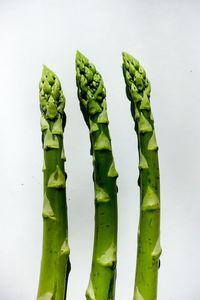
(138,91)
(92,93)
(55,264)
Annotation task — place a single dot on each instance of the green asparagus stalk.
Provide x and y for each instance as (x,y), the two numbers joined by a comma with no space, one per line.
(138,91)
(55,264)
(92,94)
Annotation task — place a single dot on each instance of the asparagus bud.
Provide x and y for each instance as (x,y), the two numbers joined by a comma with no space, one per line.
(92,93)
(138,91)
(55,264)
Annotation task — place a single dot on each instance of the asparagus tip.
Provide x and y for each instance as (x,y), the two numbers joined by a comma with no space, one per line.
(78,53)
(48,74)
(124,54)
(46,70)
(80,58)
(129,58)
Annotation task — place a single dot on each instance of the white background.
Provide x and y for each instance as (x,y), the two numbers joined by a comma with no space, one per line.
(164,36)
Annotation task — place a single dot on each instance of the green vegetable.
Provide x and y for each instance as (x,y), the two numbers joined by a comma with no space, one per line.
(55,264)
(91,93)
(149,250)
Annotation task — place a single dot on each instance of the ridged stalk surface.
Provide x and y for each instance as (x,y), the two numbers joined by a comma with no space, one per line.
(91,93)
(55,265)
(148,252)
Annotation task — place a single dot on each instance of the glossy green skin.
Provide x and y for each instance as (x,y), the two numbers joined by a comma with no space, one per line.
(148,253)
(103,272)
(55,265)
